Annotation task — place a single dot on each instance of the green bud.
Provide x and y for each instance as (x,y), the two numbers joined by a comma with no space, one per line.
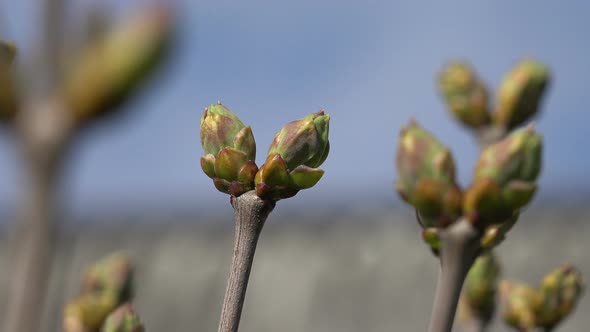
(112,275)
(479,288)
(293,157)
(87,312)
(230,150)
(465,94)
(520,93)
(560,291)
(124,319)
(107,71)
(8,95)
(504,177)
(519,303)
(426,177)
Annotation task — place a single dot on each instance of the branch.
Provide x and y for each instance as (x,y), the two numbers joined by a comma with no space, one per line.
(459,246)
(250,214)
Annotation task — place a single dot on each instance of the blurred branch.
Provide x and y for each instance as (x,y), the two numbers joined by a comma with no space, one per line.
(52,38)
(44,129)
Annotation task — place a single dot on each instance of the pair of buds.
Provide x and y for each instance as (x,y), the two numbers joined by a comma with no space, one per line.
(292,161)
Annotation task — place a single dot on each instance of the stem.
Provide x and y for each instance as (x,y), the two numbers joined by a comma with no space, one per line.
(460,243)
(45,130)
(33,250)
(490,135)
(250,214)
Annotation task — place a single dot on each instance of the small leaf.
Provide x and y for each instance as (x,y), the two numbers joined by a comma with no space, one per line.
(248,173)
(306,177)
(274,172)
(208,165)
(228,163)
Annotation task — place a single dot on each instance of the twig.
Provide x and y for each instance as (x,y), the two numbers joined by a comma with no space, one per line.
(460,243)
(45,131)
(250,214)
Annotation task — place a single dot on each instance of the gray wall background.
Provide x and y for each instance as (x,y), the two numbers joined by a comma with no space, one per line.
(360,272)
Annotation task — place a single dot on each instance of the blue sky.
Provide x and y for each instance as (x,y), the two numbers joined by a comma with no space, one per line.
(370,64)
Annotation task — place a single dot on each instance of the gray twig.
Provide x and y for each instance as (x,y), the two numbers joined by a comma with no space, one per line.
(250,214)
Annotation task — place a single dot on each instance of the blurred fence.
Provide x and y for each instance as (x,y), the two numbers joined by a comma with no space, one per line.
(355,273)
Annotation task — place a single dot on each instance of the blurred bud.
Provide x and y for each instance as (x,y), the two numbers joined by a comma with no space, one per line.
(111,275)
(494,234)
(560,292)
(8,95)
(124,319)
(504,178)
(7,52)
(431,236)
(87,312)
(479,288)
(230,151)
(426,177)
(465,94)
(519,302)
(113,66)
(294,157)
(520,93)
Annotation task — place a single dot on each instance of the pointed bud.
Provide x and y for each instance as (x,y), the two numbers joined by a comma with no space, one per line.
(113,66)
(560,291)
(230,150)
(8,95)
(303,141)
(479,288)
(293,157)
(111,275)
(124,319)
(465,94)
(520,93)
(519,301)
(504,178)
(426,177)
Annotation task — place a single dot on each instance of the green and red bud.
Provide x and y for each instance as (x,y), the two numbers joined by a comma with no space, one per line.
(230,150)
(559,293)
(465,94)
(294,157)
(124,319)
(426,177)
(104,74)
(504,178)
(520,94)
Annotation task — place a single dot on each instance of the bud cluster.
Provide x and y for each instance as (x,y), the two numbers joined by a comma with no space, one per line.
(106,286)
(545,306)
(291,164)
(517,101)
(503,183)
